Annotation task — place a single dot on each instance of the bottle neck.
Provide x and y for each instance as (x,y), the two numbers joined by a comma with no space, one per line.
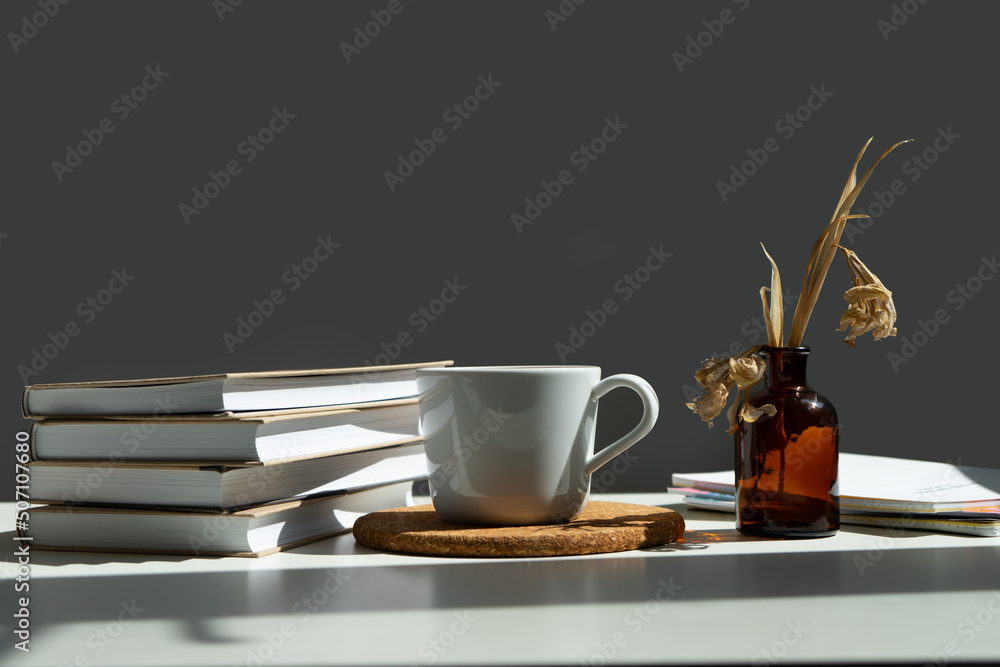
(786,366)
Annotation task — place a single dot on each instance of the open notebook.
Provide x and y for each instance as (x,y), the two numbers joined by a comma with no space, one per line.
(885,491)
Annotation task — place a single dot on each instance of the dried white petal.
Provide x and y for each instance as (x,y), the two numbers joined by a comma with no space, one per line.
(751,414)
(746,371)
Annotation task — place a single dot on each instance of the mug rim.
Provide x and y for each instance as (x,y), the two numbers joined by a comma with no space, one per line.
(505,369)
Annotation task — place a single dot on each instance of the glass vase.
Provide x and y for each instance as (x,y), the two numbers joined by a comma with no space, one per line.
(786,464)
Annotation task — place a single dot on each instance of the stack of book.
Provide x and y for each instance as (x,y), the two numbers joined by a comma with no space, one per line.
(884,491)
(241,464)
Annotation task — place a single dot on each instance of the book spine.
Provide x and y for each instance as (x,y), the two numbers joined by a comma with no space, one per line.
(24,404)
(31,442)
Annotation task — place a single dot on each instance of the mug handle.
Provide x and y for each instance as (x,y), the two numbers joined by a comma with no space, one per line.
(650,411)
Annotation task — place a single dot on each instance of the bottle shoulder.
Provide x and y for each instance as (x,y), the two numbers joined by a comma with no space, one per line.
(790,397)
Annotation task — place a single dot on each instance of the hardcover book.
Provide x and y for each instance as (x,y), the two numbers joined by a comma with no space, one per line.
(223,392)
(190,486)
(231,438)
(255,531)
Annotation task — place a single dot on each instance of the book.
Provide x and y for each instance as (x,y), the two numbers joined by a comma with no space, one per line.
(230,438)
(885,483)
(974,522)
(186,485)
(885,491)
(970,526)
(224,392)
(255,531)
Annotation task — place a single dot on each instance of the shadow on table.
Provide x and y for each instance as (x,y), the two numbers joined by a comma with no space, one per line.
(59,557)
(193,600)
(695,540)
(882,531)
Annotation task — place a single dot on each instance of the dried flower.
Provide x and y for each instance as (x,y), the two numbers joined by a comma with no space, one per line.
(746,371)
(870,306)
(823,249)
(713,376)
(718,377)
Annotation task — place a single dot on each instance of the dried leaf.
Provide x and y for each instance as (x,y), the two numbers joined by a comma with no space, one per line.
(767,320)
(776,318)
(801,316)
(870,306)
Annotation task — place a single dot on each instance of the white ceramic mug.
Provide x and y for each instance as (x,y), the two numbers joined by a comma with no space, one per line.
(514,445)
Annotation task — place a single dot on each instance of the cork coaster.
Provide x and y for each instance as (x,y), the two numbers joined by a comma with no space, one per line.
(603,527)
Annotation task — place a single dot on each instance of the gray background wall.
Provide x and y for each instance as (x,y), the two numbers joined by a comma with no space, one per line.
(892,70)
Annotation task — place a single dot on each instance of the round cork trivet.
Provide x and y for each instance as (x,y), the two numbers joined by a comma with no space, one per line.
(603,527)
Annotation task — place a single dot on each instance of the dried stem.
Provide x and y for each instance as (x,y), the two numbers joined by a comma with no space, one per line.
(825,247)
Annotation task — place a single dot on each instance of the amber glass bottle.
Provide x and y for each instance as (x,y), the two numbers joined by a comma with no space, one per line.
(786,465)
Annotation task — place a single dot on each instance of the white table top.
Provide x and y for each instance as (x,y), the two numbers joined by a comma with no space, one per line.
(863,595)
